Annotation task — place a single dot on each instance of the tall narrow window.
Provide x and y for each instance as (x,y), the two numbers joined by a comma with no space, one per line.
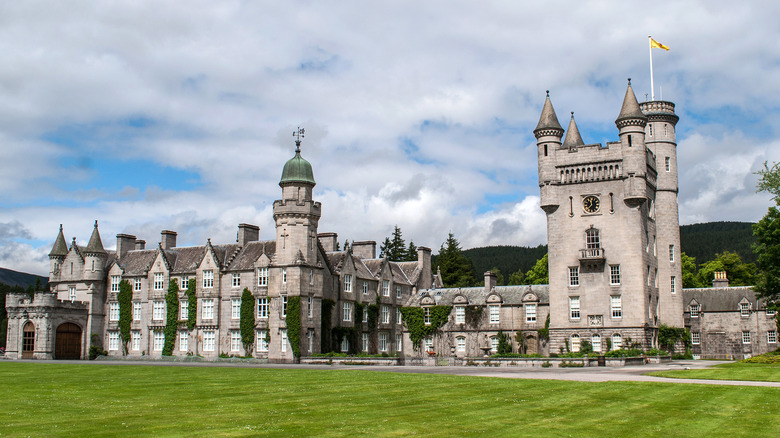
(385,314)
(113,311)
(262,276)
(158,281)
(385,288)
(574,276)
(674,284)
(284,275)
(262,307)
(136,311)
(668,164)
(595,341)
(207,309)
(616,304)
(137,285)
(262,341)
(309,306)
(427,315)
(347,283)
(284,306)
(460,314)
(347,311)
(72,293)
(284,341)
(695,338)
(614,275)
(744,309)
(114,283)
(365,288)
(574,307)
(575,343)
(630,143)
(671,253)
(617,341)
(236,280)
(183,310)
(208,279)
(235,308)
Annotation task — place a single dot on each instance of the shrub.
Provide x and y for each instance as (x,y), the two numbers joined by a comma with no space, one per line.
(624,352)
(95,351)
(656,352)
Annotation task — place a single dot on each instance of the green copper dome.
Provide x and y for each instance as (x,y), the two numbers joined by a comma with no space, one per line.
(297,170)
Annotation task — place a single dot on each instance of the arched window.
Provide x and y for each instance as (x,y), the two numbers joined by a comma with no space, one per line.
(575,343)
(592,240)
(460,342)
(28,340)
(617,341)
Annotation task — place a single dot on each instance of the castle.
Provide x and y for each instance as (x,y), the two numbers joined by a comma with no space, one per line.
(614,274)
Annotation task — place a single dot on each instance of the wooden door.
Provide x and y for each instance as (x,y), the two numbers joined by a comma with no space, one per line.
(68,342)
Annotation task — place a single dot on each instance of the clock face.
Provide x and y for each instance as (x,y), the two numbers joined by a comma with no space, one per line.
(591,204)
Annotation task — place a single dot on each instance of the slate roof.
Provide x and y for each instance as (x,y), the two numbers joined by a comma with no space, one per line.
(511,295)
(630,108)
(137,262)
(248,255)
(411,270)
(548,119)
(721,299)
(373,265)
(60,247)
(362,270)
(399,277)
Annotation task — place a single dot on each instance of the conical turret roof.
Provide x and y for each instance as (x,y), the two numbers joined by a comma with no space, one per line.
(95,245)
(60,248)
(548,119)
(573,137)
(630,109)
(297,170)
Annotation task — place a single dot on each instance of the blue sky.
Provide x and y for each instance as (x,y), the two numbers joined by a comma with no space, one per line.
(152,115)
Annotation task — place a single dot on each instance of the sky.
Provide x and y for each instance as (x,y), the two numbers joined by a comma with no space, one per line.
(159,115)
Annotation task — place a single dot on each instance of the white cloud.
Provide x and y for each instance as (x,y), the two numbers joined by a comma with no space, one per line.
(417,114)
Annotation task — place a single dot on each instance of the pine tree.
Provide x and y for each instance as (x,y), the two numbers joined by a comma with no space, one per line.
(456,268)
(384,248)
(397,246)
(411,252)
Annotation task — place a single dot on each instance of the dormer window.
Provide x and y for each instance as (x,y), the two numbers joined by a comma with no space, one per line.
(744,309)
(695,310)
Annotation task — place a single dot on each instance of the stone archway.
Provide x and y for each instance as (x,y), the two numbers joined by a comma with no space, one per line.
(28,340)
(68,342)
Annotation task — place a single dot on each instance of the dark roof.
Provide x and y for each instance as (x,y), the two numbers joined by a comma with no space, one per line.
(60,247)
(373,265)
(573,138)
(137,262)
(720,299)
(362,270)
(95,245)
(248,255)
(630,108)
(398,274)
(411,270)
(548,119)
(510,295)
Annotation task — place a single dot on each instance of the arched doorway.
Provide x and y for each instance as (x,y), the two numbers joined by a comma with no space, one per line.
(28,340)
(68,342)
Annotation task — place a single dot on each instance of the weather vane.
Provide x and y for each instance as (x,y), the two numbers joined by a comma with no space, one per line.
(298,134)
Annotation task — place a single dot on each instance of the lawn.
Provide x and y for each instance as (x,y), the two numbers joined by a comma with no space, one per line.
(85,400)
(728,371)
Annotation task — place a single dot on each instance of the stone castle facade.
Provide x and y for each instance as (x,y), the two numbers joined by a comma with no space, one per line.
(614,273)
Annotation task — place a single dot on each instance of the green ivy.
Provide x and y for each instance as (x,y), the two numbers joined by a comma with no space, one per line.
(359,309)
(668,336)
(544,333)
(192,305)
(293,319)
(414,319)
(172,311)
(350,333)
(247,322)
(327,309)
(125,298)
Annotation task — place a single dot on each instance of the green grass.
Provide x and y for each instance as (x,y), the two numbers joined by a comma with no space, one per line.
(85,400)
(728,371)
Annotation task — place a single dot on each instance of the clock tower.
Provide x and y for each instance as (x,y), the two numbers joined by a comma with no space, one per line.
(613,254)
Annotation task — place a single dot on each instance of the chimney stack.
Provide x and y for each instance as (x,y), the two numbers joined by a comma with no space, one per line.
(124,243)
(365,249)
(329,241)
(248,233)
(167,239)
(720,279)
(490,281)
(140,244)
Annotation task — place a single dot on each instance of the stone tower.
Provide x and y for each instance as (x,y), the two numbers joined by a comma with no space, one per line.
(297,268)
(661,141)
(601,206)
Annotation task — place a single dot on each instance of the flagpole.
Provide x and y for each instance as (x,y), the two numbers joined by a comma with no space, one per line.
(652,87)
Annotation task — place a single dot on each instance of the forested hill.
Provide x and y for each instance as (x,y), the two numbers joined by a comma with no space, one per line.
(703,241)
(15,278)
(507,259)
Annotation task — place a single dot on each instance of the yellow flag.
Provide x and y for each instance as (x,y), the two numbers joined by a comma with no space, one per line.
(657,45)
